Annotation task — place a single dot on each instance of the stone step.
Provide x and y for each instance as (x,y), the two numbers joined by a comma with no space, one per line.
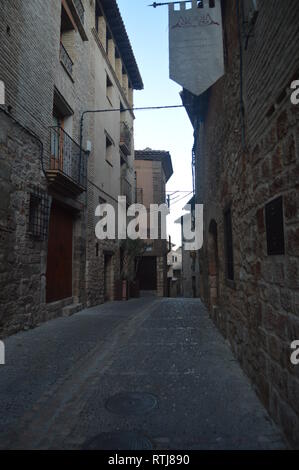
(59,304)
(70,310)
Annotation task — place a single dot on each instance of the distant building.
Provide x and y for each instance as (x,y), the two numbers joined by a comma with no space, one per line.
(190,263)
(174,272)
(153,168)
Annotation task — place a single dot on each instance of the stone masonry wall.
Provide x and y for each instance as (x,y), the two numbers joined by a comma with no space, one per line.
(31,70)
(259,311)
(22,258)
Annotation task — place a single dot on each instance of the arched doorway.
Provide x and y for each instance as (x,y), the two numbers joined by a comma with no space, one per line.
(213,264)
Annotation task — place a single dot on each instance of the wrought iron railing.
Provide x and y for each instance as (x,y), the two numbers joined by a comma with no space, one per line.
(80,9)
(66,60)
(125,136)
(67,157)
(126,190)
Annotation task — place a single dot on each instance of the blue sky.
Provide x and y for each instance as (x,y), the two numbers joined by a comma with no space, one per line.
(170,130)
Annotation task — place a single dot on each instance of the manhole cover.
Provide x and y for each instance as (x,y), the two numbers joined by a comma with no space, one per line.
(122,440)
(133,403)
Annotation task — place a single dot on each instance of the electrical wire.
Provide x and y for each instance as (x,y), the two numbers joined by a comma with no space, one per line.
(97,111)
(184,197)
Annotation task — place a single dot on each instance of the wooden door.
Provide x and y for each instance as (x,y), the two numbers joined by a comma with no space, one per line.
(60,254)
(147,273)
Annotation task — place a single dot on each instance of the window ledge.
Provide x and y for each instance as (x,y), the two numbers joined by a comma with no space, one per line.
(109,163)
(67,72)
(109,101)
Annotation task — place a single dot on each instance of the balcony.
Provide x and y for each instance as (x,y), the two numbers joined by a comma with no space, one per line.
(126,190)
(77,9)
(67,167)
(66,60)
(125,139)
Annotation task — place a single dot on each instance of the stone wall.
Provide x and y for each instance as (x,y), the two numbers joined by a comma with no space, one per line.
(31,70)
(258,311)
(35,78)
(22,265)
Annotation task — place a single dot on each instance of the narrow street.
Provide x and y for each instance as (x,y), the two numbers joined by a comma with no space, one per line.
(58,379)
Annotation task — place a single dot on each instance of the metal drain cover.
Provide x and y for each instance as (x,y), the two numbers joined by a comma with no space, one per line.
(122,440)
(132,403)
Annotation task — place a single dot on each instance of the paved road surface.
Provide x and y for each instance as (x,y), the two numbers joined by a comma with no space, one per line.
(191,393)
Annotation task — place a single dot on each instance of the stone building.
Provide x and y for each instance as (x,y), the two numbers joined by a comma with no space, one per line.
(58,60)
(247,174)
(153,169)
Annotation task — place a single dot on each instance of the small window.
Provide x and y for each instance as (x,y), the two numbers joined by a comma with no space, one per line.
(108,37)
(109,89)
(109,150)
(275,227)
(38,214)
(102,200)
(228,233)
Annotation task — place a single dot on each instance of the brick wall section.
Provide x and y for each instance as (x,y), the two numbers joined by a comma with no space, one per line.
(259,312)
(28,48)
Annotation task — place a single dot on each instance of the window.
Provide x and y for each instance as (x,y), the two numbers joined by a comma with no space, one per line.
(102,200)
(108,37)
(109,89)
(67,40)
(228,234)
(274,227)
(38,214)
(109,150)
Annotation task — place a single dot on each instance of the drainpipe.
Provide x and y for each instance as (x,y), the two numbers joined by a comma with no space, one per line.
(242,107)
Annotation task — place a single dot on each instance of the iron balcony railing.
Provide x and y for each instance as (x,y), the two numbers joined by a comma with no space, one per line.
(66,60)
(67,158)
(125,138)
(80,9)
(126,190)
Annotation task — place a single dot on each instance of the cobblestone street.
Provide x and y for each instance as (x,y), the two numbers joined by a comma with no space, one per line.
(58,377)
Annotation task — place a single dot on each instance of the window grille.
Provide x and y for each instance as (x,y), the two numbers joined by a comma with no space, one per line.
(39,214)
